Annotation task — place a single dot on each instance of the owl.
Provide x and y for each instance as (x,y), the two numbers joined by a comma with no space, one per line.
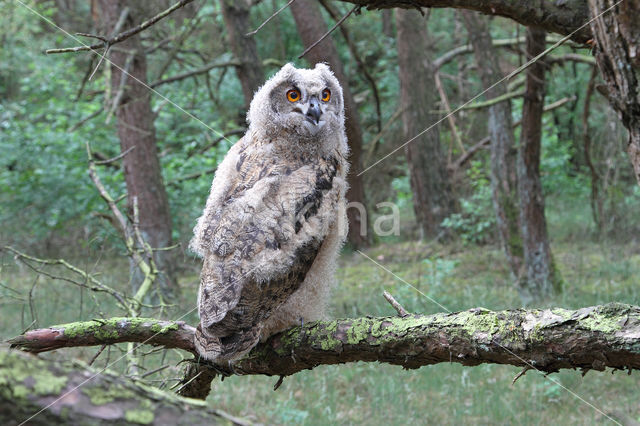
(275,219)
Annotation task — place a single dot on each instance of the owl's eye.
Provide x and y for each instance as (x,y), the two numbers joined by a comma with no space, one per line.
(326,95)
(293,95)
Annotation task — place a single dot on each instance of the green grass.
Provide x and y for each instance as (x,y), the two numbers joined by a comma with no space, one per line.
(456,276)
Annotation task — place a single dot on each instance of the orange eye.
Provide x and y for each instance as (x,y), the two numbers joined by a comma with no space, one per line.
(293,95)
(326,95)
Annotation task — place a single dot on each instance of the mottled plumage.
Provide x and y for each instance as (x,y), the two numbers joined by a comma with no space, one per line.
(275,218)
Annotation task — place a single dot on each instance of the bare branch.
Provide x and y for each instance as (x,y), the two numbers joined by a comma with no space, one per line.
(124,35)
(397,306)
(269,19)
(201,70)
(484,142)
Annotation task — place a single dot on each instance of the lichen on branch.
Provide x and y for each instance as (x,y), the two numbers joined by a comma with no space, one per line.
(546,339)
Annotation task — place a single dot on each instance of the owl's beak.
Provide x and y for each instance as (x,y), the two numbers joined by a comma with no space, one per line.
(313,111)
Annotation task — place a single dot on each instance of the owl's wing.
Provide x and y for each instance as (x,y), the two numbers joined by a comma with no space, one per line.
(225,177)
(258,236)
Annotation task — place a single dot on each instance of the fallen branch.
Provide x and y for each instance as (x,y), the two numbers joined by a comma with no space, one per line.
(39,391)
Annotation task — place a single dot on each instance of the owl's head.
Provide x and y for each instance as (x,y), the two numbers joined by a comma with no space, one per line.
(302,103)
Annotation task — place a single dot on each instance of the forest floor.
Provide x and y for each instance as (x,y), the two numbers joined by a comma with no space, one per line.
(457,276)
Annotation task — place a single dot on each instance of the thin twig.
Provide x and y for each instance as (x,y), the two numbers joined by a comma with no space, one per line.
(447,107)
(269,18)
(373,145)
(155,371)
(116,158)
(107,45)
(308,49)
(99,37)
(96,285)
(197,71)
(84,120)
(397,306)
(96,355)
(278,383)
(189,381)
(520,374)
(121,86)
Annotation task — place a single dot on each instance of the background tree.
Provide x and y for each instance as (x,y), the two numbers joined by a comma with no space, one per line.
(132,104)
(504,185)
(311,27)
(249,70)
(433,199)
(540,279)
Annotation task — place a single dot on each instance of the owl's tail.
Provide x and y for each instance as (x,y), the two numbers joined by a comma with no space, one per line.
(225,348)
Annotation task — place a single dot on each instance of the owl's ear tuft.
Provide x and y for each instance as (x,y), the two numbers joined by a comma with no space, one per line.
(323,67)
(287,70)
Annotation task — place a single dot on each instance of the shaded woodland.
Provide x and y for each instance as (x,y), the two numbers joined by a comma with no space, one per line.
(494,151)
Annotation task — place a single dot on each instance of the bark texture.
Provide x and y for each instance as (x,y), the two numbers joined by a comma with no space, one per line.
(549,340)
(311,27)
(617,50)
(250,72)
(169,334)
(142,171)
(539,279)
(30,384)
(433,200)
(562,17)
(504,184)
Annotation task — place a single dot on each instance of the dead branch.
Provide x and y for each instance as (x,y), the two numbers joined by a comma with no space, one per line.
(106,43)
(68,397)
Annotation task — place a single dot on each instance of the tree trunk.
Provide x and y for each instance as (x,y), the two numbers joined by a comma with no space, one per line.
(67,394)
(433,200)
(311,27)
(617,50)
(539,279)
(504,184)
(387,23)
(250,72)
(136,130)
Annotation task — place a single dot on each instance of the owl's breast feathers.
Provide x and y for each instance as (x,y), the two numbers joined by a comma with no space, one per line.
(260,243)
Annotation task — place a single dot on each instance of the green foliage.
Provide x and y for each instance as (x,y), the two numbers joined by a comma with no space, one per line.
(475,221)
(46,196)
(402,188)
